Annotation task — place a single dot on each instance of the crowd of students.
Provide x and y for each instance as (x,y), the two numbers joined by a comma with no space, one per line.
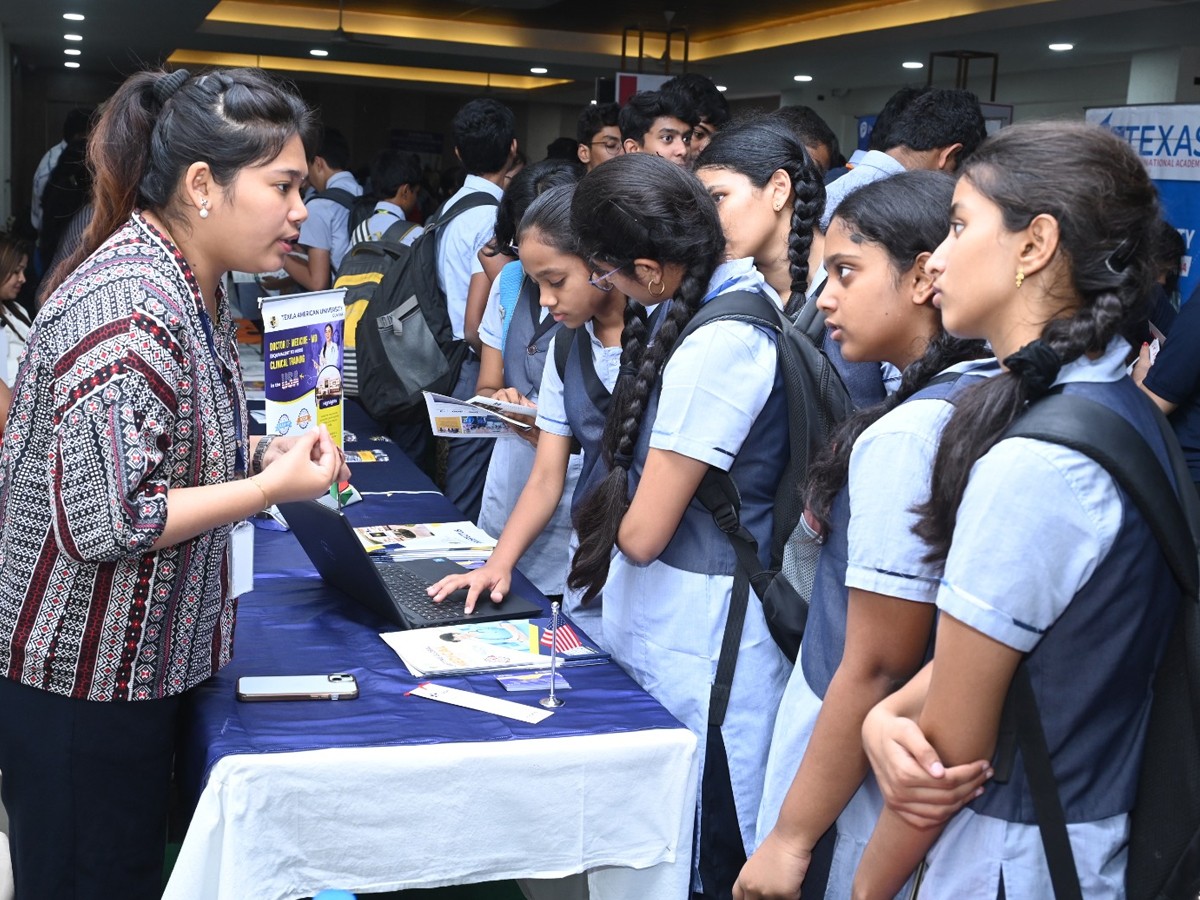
(949,556)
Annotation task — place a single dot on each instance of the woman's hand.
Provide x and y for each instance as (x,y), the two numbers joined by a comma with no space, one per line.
(913,780)
(775,872)
(304,468)
(491,577)
(512,395)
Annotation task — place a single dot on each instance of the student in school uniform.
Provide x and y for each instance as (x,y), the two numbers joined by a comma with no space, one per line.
(871,610)
(570,407)
(516,333)
(714,399)
(1047,560)
(768,192)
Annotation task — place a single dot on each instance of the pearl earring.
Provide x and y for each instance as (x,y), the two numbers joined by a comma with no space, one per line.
(204,209)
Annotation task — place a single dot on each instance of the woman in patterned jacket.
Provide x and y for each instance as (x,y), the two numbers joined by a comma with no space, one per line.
(126,462)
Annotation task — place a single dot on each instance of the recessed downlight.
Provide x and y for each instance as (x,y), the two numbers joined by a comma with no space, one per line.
(913,64)
(722,88)
(318,52)
(71,64)
(801,78)
(73,17)
(72,37)
(538,70)
(72,51)
(1061,47)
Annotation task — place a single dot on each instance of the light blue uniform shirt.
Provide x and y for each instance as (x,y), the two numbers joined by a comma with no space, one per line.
(1035,521)
(325,227)
(459,246)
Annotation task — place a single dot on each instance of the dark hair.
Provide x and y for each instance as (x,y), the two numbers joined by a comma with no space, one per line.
(158,123)
(645,107)
(887,116)
(392,170)
(563,148)
(939,118)
(525,187)
(637,206)
(757,149)
(331,145)
(1169,250)
(905,215)
(1107,211)
(77,124)
(700,94)
(810,129)
(550,216)
(594,118)
(484,131)
(12,248)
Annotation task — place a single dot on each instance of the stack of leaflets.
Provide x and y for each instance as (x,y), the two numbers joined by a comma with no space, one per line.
(479,417)
(508,645)
(452,540)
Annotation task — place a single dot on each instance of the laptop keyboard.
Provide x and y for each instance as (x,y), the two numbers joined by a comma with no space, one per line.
(409,591)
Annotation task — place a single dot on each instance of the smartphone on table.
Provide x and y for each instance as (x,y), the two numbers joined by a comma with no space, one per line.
(333,686)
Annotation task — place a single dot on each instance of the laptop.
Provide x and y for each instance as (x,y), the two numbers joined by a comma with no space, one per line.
(392,589)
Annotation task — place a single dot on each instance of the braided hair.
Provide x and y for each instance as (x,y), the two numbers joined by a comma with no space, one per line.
(758,149)
(905,215)
(157,124)
(1107,210)
(633,207)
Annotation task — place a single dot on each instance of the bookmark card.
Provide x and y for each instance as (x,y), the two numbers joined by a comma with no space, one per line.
(481,702)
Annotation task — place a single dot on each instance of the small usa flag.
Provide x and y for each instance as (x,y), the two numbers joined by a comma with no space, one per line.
(565,639)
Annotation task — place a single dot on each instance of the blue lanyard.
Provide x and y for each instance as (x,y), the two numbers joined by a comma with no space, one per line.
(228,379)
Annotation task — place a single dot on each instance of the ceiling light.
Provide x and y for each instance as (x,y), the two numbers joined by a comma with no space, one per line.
(73,37)
(801,78)
(913,65)
(722,88)
(73,17)
(538,70)
(72,51)
(1059,48)
(316,52)
(71,64)
(593,103)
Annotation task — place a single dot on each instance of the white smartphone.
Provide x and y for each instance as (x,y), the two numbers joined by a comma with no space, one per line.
(335,686)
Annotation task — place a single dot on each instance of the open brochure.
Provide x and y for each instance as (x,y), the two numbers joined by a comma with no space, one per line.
(467,648)
(454,540)
(479,417)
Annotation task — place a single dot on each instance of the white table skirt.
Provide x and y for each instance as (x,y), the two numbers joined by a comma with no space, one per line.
(280,826)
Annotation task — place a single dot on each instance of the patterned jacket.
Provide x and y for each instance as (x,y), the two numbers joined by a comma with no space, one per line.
(120,397)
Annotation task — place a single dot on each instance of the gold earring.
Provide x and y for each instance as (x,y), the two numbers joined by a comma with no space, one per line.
(662,289)
(1020,278)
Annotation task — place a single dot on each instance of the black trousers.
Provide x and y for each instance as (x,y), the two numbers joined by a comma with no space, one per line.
(86,788)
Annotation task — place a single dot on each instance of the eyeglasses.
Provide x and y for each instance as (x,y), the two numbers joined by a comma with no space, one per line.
(602,282)
(611,144)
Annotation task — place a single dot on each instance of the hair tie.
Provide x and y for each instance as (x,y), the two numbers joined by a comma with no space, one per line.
(166,86)
(628,370)
(1037,365)
(1118,261)
(623,461)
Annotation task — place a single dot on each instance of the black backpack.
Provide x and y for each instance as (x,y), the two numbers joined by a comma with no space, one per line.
(1164,845)
(362,269)
(360,207)
(403,340)
(816,401)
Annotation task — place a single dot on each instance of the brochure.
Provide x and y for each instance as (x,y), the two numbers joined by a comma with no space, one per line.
(454,540)
(479,417)
(511,644)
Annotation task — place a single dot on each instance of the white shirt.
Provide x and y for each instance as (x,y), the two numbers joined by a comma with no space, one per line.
(459,246)
(40,176)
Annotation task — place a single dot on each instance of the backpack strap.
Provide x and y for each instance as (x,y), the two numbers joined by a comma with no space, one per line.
(398,230)
(473,200)
(809,319)
(340,196)
(562,349)
(1173,516)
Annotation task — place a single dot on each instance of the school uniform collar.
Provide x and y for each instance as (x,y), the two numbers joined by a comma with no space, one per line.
(344,180)
(1108,367)
(475,183)
(737,275)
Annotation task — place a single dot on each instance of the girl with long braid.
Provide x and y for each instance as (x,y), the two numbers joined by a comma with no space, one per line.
(713,399)
(1046,559)
(770,196)
(871,610)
